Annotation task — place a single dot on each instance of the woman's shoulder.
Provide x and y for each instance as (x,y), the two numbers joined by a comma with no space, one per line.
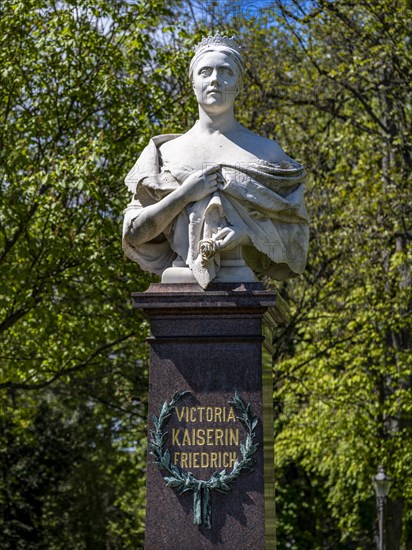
(264,148)
(171,151)
(171,142)
(182,151)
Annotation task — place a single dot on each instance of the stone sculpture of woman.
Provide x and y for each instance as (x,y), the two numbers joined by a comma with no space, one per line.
(218,203)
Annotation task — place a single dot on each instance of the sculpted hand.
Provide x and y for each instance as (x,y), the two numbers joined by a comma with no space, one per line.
(200,184)
(230,237)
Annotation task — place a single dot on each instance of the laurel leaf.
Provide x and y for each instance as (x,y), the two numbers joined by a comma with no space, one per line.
(172,482)
(186,481)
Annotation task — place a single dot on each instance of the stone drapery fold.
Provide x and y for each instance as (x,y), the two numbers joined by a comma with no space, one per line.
(262,199)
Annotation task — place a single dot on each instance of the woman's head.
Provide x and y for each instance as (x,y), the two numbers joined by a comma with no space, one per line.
(216,73)
(221,44)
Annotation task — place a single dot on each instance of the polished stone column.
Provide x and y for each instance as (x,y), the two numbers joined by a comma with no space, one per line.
(209,343)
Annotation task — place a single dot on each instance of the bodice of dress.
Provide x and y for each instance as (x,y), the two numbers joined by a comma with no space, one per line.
(263,199)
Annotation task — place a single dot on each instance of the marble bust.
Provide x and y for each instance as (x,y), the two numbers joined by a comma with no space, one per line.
(219,202)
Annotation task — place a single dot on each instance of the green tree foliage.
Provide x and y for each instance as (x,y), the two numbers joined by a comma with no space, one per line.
(337,97)
(83,86)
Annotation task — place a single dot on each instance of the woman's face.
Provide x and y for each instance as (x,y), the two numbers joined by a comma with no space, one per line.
(215,81)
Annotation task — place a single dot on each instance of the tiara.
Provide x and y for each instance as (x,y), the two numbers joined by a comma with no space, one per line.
(218,40)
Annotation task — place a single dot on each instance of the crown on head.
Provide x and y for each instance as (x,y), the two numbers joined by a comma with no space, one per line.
(218,40)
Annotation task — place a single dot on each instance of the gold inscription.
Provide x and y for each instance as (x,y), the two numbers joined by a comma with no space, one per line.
(199,437)
(175,436)
(219,436)
(208,414)
(192,460)
(216,436)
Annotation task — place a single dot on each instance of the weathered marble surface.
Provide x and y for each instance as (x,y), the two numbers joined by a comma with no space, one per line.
(218,203)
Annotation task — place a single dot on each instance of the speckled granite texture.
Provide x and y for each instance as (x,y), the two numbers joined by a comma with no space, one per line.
(208,342)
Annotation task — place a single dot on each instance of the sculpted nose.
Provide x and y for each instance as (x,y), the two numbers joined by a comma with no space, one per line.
(215,80)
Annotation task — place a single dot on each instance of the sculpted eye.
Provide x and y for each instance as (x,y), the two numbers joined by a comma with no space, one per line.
(205,71)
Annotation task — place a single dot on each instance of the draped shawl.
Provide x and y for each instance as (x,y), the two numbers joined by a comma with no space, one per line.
(263,199)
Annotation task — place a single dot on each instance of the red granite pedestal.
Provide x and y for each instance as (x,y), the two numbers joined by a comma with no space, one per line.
(208,342)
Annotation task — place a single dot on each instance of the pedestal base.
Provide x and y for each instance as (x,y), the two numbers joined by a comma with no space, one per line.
(179,275)
(208,343)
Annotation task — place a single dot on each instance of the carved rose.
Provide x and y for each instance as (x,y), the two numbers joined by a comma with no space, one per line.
(207,249)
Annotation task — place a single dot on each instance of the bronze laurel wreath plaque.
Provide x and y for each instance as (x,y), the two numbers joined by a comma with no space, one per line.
(219,481)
